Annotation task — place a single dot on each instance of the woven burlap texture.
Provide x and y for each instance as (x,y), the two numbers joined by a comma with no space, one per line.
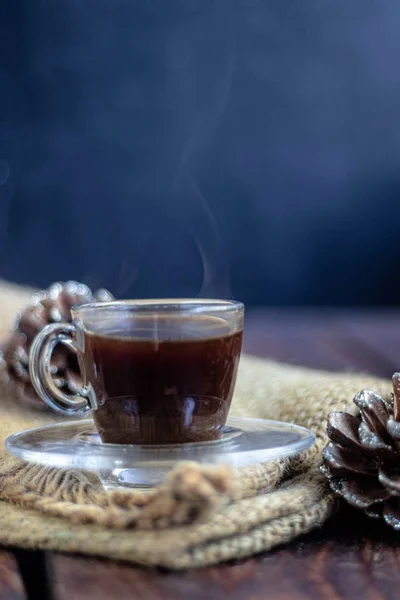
(201,515)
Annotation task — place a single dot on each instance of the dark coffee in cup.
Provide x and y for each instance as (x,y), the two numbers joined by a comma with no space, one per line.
(166,380)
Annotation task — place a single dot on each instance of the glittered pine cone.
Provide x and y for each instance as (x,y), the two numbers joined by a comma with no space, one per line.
(47,306)
(362,460)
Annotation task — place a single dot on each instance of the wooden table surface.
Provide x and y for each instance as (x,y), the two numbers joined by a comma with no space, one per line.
(351,557)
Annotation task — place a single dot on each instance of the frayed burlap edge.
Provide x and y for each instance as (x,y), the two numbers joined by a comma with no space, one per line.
(234,531)
(190,494)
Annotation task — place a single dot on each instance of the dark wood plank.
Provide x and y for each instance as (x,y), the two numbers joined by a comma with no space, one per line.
(350,557)
(378,332)
(346,340)
(11,587)
(35,569)
(301,338)
(338,562)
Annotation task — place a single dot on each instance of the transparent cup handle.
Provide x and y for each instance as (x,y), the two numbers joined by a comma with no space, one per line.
(40,371)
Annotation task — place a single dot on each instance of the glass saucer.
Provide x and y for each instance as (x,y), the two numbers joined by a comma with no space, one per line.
(77,445)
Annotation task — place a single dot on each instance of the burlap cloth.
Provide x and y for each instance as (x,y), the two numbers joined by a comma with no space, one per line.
(201,515)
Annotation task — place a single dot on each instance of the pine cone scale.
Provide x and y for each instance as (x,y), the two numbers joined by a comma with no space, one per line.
(32,321)
(396,396)
(375,414)
(343,461)
(390,481)
(373,442)
(394,430)
(364,492)
(391,513)
(343,430)
(374,511)
(362,460)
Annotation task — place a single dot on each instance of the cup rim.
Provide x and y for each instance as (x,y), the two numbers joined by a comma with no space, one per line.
(164,305)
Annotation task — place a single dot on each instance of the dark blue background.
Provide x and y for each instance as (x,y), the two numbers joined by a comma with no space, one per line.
(146,142)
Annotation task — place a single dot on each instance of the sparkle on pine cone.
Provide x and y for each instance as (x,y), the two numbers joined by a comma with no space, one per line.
(362,460)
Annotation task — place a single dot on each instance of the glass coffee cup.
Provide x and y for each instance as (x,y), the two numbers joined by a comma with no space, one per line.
(153,371)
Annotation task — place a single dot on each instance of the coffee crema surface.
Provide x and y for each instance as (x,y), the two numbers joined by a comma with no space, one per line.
(163,380)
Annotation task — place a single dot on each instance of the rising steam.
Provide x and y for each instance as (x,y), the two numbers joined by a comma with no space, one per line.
(199,219)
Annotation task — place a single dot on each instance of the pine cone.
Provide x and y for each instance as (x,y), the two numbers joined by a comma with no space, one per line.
(362,460)
(47,306)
